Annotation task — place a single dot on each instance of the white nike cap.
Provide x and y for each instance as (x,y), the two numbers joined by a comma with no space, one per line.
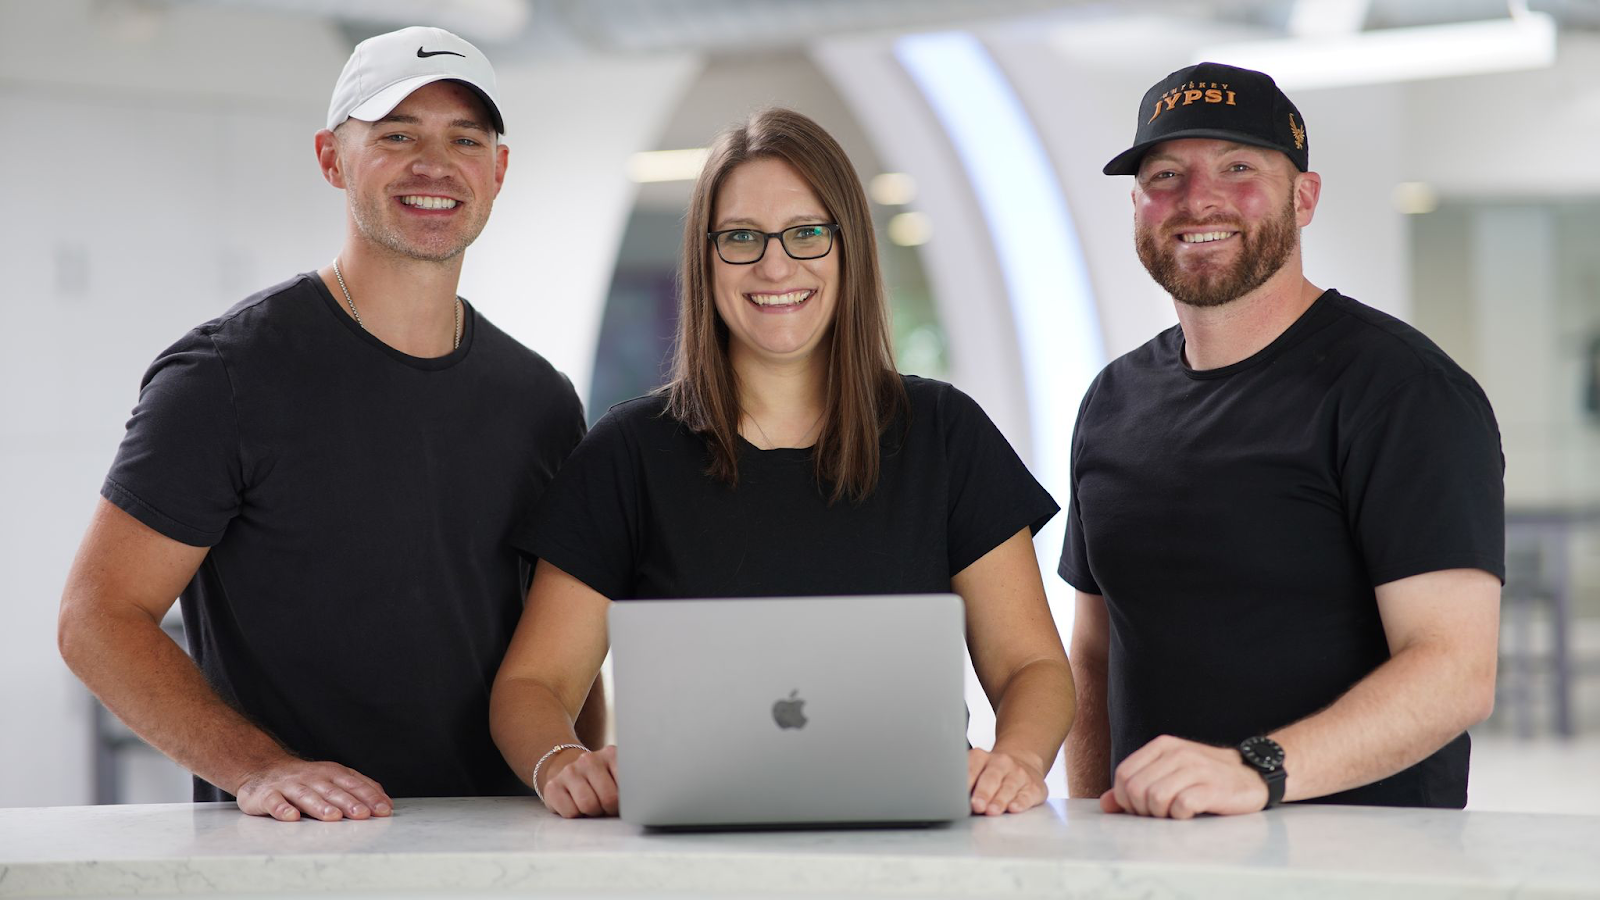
(385,69)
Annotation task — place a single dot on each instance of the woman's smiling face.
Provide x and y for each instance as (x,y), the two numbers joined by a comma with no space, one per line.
(778,309)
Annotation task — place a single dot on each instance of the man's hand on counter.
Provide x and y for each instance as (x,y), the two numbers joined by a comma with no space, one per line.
(1174,778)
(1000,782)
(582,783)
(322,790)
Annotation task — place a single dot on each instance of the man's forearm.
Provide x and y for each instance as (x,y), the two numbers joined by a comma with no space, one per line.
(1394,718)
(1035,712)
(1088,744)
(155,689)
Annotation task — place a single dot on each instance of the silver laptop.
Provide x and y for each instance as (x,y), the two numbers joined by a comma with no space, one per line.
(790,711)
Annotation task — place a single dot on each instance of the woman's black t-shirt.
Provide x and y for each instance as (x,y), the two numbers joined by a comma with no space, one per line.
(633,513)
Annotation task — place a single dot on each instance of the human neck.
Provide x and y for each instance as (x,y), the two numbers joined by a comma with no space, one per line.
(781,402)
(409,304)
(1217,336)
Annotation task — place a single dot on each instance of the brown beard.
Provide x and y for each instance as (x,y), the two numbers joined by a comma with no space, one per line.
(1261,256)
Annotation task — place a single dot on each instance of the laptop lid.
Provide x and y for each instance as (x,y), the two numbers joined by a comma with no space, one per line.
(804,710)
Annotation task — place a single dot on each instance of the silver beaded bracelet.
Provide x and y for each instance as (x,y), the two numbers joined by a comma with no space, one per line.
(545,758)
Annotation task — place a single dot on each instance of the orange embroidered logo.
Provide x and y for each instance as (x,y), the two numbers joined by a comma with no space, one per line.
(1298,132)
(1193,92)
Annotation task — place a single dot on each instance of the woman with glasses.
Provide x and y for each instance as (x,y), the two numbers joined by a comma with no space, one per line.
(786,456)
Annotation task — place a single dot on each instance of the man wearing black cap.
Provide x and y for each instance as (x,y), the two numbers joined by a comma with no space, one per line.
(328,474)
(1287,517)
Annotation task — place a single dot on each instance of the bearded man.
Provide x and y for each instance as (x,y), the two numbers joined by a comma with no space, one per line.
(1286,528)
(329,474)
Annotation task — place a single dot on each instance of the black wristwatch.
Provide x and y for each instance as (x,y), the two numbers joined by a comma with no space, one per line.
(1265,756)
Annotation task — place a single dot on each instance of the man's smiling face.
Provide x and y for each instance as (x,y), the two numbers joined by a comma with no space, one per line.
(1214,220)
(422,180)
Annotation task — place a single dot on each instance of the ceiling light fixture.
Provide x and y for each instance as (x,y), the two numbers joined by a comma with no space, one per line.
(892,189)
(1415,198)
(1526,40)
(666,165)
(910,229)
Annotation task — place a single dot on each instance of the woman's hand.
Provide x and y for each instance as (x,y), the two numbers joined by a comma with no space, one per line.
(1017,653)
(1002,783)
(542,695)
(584,783)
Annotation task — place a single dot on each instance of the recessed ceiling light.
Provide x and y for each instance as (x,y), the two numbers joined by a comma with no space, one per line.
(666,165)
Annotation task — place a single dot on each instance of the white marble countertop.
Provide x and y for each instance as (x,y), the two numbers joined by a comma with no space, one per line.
(456,847)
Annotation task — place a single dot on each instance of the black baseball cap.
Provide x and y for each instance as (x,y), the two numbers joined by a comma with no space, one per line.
(1211,100)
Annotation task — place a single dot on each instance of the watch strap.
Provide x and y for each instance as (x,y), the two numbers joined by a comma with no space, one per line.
(1276,781)
(1265,756)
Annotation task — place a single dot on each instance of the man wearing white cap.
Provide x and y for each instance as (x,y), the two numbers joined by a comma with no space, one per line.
(328,474)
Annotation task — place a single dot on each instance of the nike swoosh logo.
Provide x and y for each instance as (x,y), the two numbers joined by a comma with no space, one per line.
(424,54)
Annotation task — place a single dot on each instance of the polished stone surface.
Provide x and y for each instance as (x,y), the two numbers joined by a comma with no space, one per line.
(1064,849)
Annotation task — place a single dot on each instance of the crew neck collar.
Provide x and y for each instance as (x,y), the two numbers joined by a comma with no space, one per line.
(469,320)
(1308,323)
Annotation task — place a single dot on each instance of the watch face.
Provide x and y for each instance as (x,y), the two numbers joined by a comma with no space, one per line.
(1263,753)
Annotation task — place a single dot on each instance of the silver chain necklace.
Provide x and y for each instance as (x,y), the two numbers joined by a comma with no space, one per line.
(772,445)
(339,276)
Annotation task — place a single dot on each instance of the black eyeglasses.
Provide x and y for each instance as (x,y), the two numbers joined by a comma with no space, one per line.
(743,246)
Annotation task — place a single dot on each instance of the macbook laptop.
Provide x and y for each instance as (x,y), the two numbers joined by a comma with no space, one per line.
(790,711)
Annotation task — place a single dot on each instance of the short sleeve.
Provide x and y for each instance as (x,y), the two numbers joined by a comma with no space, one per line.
(992,495)
(178,469)
(586,524)
(560,435)
(1074,565)
(1424,481)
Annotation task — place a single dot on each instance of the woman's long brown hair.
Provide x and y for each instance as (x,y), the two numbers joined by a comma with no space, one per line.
(862,392)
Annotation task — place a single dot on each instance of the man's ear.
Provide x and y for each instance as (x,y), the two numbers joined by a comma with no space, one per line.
(1307,191)
(327,146)
(502,155)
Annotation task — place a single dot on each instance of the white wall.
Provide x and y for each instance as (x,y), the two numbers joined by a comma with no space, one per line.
(1358,242)
(155,176)
(1521,133)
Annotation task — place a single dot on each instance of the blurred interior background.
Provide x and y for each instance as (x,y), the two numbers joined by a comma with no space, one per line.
(158,154)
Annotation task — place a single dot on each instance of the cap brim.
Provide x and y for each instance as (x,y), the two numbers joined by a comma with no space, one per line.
(383,102)
(1127,162)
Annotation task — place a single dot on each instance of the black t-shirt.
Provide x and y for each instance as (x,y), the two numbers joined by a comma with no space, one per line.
(1237,521)
(633,513)
(361,586)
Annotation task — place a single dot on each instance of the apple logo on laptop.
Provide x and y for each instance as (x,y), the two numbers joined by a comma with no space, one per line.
(788,713)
